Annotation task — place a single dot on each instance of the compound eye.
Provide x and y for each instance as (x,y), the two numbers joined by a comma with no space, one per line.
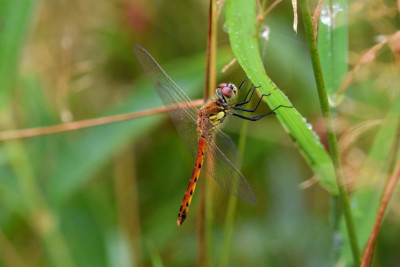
(227,91)
(222,85)
(233,87)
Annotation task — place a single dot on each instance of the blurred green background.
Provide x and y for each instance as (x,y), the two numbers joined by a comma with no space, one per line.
(109,195)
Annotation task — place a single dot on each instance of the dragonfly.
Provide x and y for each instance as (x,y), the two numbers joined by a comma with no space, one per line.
(200,129)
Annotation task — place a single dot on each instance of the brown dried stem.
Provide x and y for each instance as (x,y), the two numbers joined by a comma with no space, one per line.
(262,14)
(210,82)
(31,132)
(295,21)
(389,189)
(367,57)
(391,185)
(316,15)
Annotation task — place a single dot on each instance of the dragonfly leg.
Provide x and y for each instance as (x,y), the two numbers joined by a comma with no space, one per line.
(245,101)
(256,118)
(252,90)
(251,110)
(241,84)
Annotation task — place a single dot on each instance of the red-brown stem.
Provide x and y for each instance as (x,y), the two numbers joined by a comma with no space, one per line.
(391,185)
(209,82)
(208,53)
(31,132)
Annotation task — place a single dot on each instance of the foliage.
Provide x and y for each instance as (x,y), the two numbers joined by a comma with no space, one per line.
(109,195)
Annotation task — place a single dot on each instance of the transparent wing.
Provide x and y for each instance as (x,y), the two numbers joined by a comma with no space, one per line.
(182,113)
(184,116)
(229,148)
(222,168)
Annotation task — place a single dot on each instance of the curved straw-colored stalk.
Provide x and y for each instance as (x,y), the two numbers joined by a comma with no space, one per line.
(76,125)
(331,135)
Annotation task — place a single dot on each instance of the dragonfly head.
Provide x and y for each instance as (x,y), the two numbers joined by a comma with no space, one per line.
(227,93)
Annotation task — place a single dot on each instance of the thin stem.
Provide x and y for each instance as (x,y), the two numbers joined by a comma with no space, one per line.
(230,214)
(391,185)
(202,246)
(211,55)
(76,125)
(389,189)
(213,49)
(127,202)
(208,53)
(211,91)
(205,218)
(209,218)
(331,135)
(228,230)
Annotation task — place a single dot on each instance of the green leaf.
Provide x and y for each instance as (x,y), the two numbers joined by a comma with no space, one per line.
(240,22)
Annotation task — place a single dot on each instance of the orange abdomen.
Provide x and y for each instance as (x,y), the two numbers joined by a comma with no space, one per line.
(183,211)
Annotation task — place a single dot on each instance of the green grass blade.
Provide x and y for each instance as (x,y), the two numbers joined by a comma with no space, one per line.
(51,237)
(37,109)
(333,43)
(240,22)
(331,129)
(15,17)
(155,257)
(230,212)
(365,202)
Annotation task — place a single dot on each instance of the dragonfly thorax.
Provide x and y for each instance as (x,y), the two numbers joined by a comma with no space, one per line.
(227,93)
